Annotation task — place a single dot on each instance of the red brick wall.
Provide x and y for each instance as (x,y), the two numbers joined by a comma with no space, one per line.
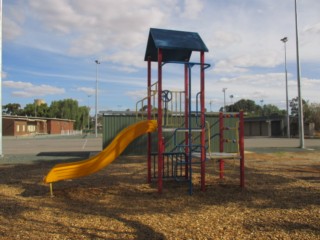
(7,127)
(56,126)
(20,128)
(14,127)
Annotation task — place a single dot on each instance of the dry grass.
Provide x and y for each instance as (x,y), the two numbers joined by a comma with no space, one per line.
(281,201)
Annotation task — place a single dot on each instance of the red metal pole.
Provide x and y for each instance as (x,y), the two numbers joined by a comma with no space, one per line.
(221,126)
(149,118)
(203,130)
(241,148)
(186,115)
(160,144)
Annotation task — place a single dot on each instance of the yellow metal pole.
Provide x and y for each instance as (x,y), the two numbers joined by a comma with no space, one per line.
(51,190)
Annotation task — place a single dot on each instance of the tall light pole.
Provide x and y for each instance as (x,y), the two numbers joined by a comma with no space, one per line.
(210,105)
(96,107)
(301,124)
(1,153)
(231,97)
(89,113)
(284,40)
(224,98)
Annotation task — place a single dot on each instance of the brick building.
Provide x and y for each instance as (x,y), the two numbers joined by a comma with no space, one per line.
(24,126)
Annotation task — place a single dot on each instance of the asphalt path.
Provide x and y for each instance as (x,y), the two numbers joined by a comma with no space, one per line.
(261,142)
(46,144)
(20,149)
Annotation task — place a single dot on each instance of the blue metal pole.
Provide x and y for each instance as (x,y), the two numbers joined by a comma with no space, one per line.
(190,134)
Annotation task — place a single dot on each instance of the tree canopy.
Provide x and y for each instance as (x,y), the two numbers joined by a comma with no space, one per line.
(65,109)
(12,109)
(253,109)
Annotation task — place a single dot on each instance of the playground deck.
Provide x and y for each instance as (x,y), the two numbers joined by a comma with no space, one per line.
(281,201)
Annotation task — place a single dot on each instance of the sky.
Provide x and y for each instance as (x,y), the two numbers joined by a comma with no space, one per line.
(50,48)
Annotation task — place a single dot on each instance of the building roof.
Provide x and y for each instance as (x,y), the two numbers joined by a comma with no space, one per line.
(176,45)
(26,118)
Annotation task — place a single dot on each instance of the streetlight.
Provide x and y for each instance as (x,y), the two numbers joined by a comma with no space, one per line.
(301,124)
(89,113)
(284,40)
(1,153)
(224,97)
(261,101)
(96,107)
(210,105)
(231,97)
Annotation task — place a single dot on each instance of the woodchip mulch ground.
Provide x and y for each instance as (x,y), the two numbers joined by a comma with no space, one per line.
(281,201)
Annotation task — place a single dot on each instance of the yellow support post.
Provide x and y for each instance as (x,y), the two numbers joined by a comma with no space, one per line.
(51,190)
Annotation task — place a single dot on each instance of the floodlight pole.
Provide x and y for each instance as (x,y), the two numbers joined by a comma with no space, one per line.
(96,107)
(300,112)
(89,113)
(1,153)
(284,40)
(224,99)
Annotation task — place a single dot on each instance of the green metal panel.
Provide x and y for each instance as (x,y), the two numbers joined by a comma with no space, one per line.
(113,124)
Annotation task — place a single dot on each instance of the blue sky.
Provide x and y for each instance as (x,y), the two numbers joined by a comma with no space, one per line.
(49,49)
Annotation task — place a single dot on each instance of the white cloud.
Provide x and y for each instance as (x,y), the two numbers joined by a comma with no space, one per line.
(58,15)
(137,95)
(223,39)
(4,75)
(315,28)
(192,9)
(269,79)
(259,59)
(86,90)
(31,90)
(11,29)
(242,63)
(227,67)
(243,38)
(128,60)
(99,28)
(13,84)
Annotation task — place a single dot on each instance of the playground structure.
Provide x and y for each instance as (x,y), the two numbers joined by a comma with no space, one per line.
(169,113)
(89,166)
(175,47)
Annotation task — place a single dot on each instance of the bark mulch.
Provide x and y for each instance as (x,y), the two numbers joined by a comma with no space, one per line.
(281,201)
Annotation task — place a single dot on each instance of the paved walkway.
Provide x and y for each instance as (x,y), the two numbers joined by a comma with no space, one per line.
(39,148)
(30,150)
(260,142)
(40,144)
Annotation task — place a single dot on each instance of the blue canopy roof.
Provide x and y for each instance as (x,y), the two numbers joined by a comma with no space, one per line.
(176,45)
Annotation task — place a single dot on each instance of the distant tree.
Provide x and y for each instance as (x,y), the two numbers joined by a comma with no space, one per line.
(12,109)
(246,105)
(272,110)
(69,109)
(66,109)
(315,114)
(54,110)
(42,110)
(144,108)
(294,105)
(82,118)
(253,109)
(29,110)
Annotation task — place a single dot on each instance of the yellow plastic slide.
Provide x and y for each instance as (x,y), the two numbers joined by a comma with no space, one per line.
(83,168)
